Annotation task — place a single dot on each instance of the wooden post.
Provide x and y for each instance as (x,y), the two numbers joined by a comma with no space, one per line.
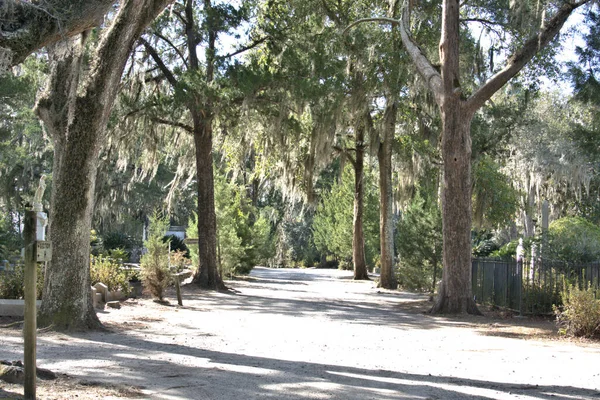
(178,287)
(30,323)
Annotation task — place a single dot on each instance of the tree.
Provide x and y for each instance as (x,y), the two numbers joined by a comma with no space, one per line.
(457,108)
(76,118)
(193,82)
(334,220)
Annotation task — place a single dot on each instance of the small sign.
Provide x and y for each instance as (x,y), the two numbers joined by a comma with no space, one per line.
(43,251)
(190,241)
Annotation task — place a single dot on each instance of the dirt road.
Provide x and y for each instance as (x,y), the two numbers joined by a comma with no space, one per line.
(309,334)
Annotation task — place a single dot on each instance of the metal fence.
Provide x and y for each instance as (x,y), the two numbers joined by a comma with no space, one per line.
(529,287)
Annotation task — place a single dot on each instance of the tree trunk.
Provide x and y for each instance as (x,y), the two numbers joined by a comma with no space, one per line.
(455,293)
(67,303)
(386,217)
(358,236)
(207,276)
(77,123)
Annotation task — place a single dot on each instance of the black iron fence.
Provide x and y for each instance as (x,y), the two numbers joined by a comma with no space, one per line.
(531,286)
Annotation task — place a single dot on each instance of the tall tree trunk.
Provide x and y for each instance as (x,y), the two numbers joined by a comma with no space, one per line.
(386,217)
(207,276)
(77,123)
(76,146)
(455,290)
(358,236)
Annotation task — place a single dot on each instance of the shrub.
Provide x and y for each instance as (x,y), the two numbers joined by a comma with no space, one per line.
(117,240)
(419,244)
(177,244)
(574,239)
(109,272)
(12,286)
(155,263)
(580,314)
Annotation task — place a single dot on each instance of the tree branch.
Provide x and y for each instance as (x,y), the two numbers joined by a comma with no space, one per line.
(166,40)
(27,27)
(245,48)
(344,152)
(159,62)
(431,76)
(383,20)
(163,121)
(522,56)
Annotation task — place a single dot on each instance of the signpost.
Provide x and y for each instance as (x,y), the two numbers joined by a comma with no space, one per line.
(37,249)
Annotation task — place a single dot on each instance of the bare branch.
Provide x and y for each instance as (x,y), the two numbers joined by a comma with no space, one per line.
(522,56)
(344,153)
(431,76)
(383,20)
(159,62)
(245,48)
(163,121)
(166,40)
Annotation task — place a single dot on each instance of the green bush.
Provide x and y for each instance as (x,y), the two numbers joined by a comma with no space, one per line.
(10,240)
(155,263)
(574,239)
(419,244)
(177,244)
(109,272)
(117,240)
(580,313)
(332,226)
(12,286)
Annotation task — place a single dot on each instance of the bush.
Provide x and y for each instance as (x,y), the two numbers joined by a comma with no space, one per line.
(580,314)
(419,244)
(12,286)
(117,240)
(177,244)
(109,272)
(574,239)
(155,263)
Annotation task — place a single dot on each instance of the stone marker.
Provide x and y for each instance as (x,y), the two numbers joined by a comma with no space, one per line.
(102,289)
(114,304)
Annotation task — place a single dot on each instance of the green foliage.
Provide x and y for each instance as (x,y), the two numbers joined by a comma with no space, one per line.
(155,263)
(192,232)
(12,283)
(484,243)
(295,247)
(116,240)
(176,244)
(495,202)
(573,239)
(243,234)
(25,150)
(10,240)
(333,221)
(580,314)
(108,271)
(419,244)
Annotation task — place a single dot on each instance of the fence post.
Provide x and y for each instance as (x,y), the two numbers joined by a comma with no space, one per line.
(520,285)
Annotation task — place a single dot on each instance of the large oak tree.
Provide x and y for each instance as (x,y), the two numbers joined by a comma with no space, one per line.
(75,114)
